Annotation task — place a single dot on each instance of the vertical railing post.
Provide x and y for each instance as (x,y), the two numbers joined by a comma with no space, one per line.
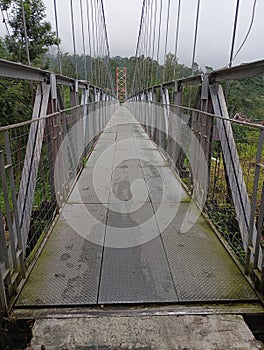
(164,120)
(94,119)
(74,94)
(203,130)
(84,102)
(32,159)
(51,135)
(16,225)
(233,166)
(146,109)
(177,153)
(12,233)
(254,248)
(99,104)
(5,273)
(155,117)
(100,111)
(3,252)
(141,109)
(149,112)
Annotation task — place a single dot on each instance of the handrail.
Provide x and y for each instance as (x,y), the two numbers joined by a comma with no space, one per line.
(16,70)
(247,70)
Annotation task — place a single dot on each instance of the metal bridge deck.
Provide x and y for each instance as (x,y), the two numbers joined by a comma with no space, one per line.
(127,234)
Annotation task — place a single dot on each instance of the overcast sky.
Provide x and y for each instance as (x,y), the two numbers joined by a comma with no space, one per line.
(214,36)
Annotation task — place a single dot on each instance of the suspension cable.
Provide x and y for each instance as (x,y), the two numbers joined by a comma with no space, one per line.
(94,43)
(195,36)
(145,47)
(25,31)
(83,41)
(166,40)
(154,39)
(148,34)
(134,87)
(73,40)
(177,37)
(159,36)
(234,34)
(111,85)
(89,38)
(247,34)
(101,43)
(57,34)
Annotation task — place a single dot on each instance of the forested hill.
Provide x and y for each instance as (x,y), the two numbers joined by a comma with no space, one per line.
(246,96)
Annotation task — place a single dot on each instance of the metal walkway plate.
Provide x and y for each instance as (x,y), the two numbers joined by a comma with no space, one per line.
(68,270)
(129,234)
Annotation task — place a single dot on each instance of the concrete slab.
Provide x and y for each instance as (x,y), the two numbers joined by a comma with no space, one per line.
(218,332)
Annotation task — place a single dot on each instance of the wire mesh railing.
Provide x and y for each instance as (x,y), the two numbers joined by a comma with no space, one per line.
(39,163)
(220,162)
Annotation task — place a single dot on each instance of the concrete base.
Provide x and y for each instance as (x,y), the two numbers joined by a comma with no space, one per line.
(209,332)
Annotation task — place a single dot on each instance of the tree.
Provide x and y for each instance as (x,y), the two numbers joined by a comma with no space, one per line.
(16,95)
(246,97)
(208,69)
(3,50)
(171,67)
(39,34)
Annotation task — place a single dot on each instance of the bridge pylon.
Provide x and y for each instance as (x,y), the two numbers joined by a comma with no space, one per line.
(121,83)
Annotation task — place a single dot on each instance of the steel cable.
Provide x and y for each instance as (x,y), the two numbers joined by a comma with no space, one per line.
(73,39)
(177,38)
(195,35)
(57,34)
(159,36)
(83,40)
(89,38)
(232,58)
(166,40)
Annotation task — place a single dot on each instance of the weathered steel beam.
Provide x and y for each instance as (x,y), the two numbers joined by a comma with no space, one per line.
(14,70)
(20,71)
(247,70)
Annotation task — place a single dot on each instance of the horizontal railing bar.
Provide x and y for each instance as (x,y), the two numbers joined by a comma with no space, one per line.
(28,122)
(252,125)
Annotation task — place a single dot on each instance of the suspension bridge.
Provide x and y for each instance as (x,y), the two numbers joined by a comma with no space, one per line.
(152,207)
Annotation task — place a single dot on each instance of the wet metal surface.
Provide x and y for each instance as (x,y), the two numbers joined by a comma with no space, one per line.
(129,234)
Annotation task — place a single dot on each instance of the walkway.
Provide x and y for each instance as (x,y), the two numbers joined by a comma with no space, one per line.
(128,234)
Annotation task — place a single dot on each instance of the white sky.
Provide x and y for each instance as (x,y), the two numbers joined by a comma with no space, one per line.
(214,36)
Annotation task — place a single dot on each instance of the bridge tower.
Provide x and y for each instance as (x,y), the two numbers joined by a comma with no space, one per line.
(121,83)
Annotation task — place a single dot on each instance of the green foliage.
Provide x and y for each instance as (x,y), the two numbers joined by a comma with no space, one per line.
(246,97)
(15,101)
(4,53)
(39,34)
(16,96)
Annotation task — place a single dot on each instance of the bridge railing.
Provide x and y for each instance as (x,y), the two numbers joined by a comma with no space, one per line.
(36,179)
(39,162)
(219,160)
